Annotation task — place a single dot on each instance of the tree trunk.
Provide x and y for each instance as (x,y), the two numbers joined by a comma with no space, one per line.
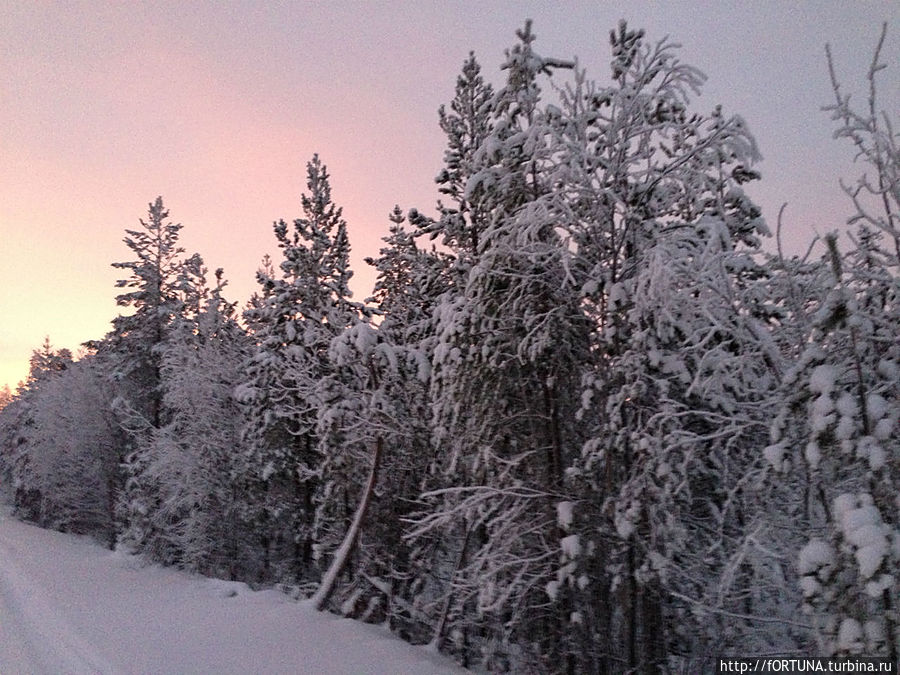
(445,611)
(342,555)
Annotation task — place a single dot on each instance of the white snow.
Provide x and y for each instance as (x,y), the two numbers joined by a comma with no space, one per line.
(624,523)
(869,448)
(862,527)
(874,630)
(823,405)
(813,454)
(821,381)
(423,366)
(816,555)
(889,370)
(845,429)
(876,406)
(810,586)
(884,430)
(877,587)
(68,605)
(821,416)
(571,546)
(871,555)
(774,455)
(564,515)
(846,405)
(552,589)
(850,636)
(842,504)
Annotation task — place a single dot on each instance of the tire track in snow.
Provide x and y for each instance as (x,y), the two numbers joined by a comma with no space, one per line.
(35,636)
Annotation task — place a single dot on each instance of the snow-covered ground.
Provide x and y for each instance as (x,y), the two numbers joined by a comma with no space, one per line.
(69,606)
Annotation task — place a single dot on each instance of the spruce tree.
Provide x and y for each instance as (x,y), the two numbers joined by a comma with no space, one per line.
(301,308)
(192,455)
(508,340)
(152,297)
(132,354)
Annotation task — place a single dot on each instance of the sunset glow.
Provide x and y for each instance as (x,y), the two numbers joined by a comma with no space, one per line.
(218,106)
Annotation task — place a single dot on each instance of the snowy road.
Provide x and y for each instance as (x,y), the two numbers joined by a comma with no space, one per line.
(68,606)
(33,636)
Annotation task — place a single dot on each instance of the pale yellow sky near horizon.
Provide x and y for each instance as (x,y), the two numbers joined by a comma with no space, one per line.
(218,106)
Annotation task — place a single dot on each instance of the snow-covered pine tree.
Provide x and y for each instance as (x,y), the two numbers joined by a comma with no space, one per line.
(190,457)
(412,316)
(8,433)
(60,445)
(45,362)
(509,341)
(351,442)
(299,311)
(73,452)
(409,284)
(412,285)
(152,296)
(19,429)
(379,394)
(6,396)
(467,125)
(132,351)
(349,447)
(11,422)
(840,408)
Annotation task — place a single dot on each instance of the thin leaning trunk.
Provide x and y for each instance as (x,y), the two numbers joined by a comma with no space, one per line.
(438,638)
(342,555)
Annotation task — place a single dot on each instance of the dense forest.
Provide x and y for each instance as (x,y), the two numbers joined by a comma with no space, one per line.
(586,422)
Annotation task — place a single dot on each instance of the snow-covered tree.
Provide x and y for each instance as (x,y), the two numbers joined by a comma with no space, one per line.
(6,396)
(542,444)
(152,299)
(374,424)
(7,434)
(298,313)
(467,125)
(651,197)
(189,459)
(61,445)
(18,425)
(73,452)
(841,408)
(508,342)
(45,363)
(351,442)
(132,354)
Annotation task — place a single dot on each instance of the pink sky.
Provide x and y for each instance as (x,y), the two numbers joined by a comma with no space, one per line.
(217,106)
